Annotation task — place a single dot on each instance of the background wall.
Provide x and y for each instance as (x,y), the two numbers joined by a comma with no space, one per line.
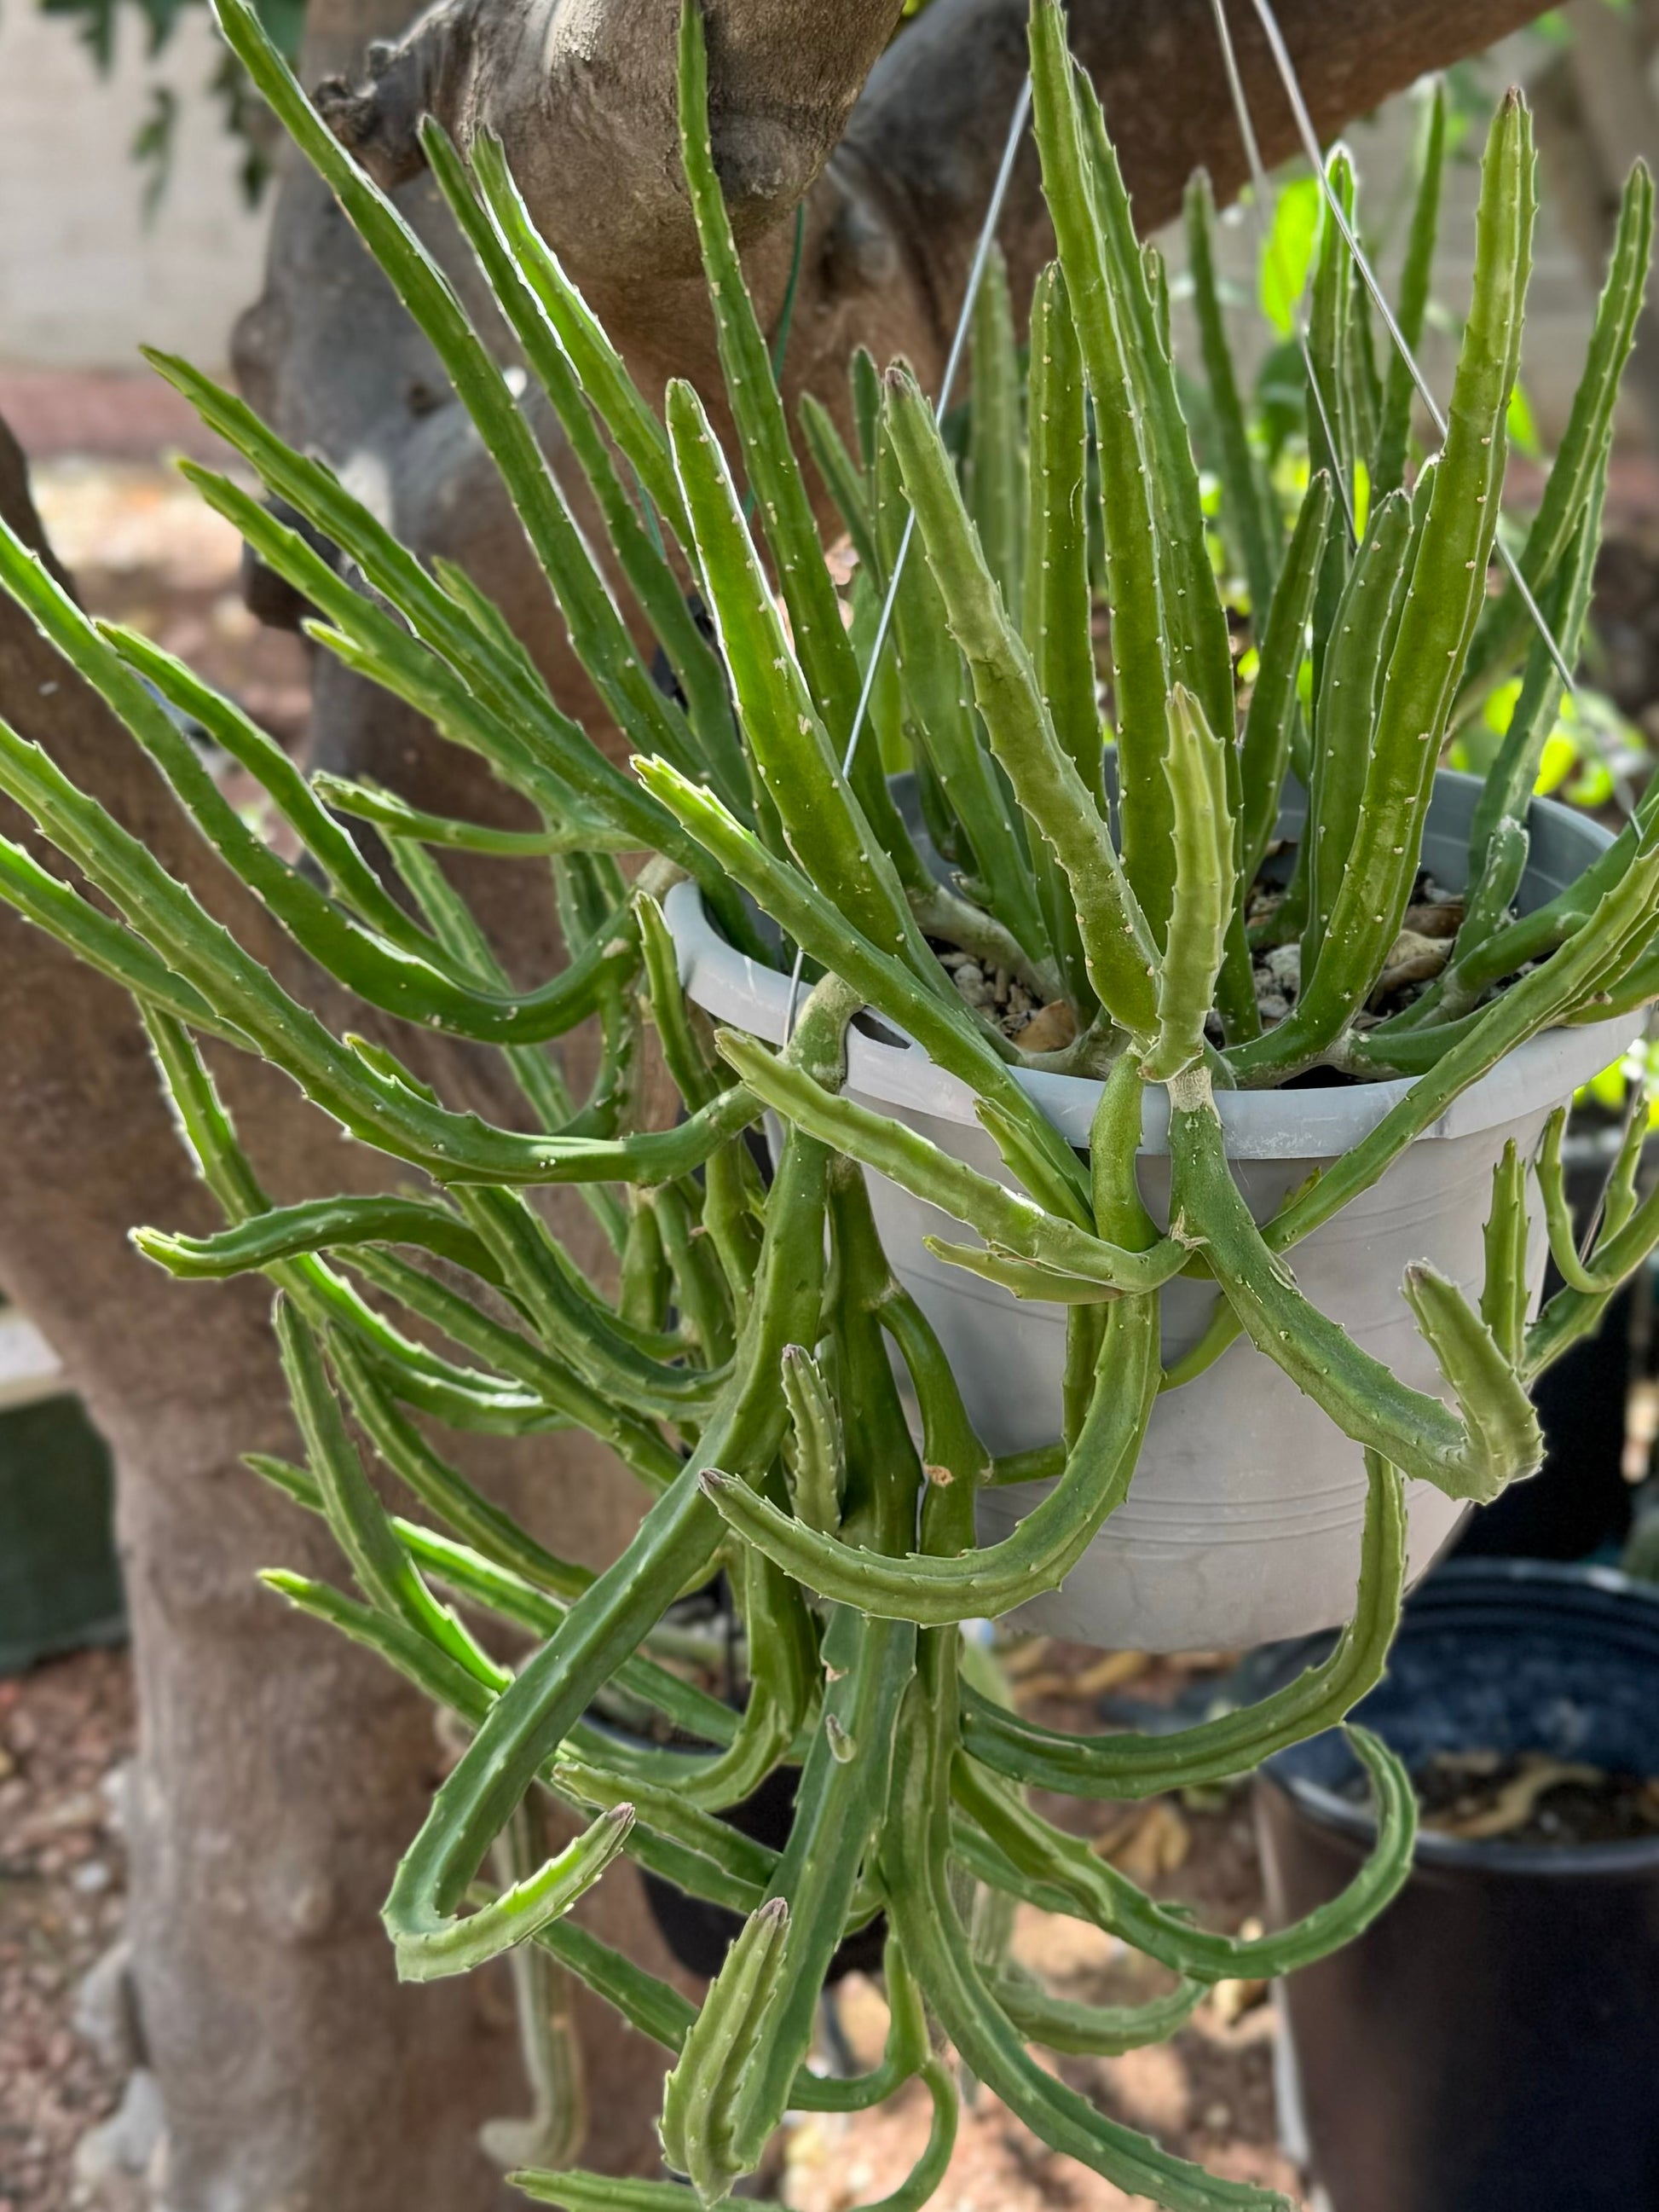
(84,277)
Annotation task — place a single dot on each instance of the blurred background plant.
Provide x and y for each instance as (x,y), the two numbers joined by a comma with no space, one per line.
(245,114)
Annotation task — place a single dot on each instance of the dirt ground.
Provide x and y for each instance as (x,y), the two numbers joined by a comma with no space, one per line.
(64,1730)
(66,1727)
(1206,2095)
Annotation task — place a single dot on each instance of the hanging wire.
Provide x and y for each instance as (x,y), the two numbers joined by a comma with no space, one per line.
(1262,201)
(947,383)
(1310,147)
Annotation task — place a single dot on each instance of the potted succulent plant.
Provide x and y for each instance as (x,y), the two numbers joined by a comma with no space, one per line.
(747,1373)
(1244,1519)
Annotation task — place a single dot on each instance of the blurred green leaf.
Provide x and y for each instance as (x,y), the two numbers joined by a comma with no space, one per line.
(1287,252)
(1523,428)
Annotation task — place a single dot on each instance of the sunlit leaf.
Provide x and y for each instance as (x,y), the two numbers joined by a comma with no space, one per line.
(1523,428)
(1559,760)
(1287,253)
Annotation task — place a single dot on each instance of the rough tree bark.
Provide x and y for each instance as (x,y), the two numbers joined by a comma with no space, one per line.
(278,1775)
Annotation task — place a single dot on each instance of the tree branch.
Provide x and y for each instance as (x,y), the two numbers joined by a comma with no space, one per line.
(934,115)
(584,100)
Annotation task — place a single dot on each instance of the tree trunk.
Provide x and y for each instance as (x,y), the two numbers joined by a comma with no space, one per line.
(279,1771)
(279,1774)
(1596,115)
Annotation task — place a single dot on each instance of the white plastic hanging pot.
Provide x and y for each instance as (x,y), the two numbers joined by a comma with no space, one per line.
(1242,1524)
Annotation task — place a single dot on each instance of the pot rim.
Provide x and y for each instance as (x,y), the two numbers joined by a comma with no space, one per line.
(885,1065)
(1634,1857)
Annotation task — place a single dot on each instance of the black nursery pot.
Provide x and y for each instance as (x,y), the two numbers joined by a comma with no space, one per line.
(60,1580)
(1491,2043)
(699,1934)
(1579,1501)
